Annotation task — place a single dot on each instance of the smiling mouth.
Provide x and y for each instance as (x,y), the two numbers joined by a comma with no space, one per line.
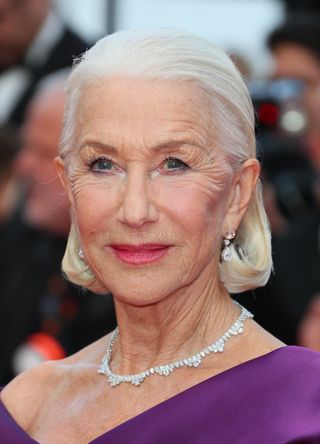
(140,254)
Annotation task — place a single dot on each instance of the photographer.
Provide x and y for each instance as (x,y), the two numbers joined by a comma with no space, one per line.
(295,48)
(288,108)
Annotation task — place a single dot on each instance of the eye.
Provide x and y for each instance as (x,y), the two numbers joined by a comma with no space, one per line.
(101,164)
(173,163)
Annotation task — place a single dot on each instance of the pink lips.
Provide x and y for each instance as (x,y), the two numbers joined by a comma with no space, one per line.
(140,254)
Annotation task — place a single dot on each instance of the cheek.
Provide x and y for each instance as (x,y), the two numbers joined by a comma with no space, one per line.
(194,214)
(187,204)
(197,200)
(95,202)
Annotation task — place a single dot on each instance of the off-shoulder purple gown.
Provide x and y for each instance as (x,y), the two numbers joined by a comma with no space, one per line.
(273,399)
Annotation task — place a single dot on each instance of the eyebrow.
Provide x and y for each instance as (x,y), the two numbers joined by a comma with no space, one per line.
(162,146)
(168,145)
(97,145)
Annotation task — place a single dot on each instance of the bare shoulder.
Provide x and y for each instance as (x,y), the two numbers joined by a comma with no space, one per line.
(23,396)
(26,394)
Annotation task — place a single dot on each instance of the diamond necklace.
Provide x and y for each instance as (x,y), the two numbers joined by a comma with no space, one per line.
(166,369)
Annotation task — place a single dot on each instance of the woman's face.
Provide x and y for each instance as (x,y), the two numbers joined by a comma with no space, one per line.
(150,187)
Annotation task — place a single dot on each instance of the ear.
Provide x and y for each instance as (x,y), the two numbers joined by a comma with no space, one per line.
(62,173)
(242,189)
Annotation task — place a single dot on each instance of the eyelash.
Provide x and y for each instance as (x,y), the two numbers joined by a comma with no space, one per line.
(90,162)
(184,165)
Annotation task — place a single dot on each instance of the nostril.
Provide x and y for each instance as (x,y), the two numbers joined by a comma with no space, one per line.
(135,211)
(137,207)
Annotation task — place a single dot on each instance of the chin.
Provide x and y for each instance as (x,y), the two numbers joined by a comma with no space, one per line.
(138,295)
(141,290)
(134,300)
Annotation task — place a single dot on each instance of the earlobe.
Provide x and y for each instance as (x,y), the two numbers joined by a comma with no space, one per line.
(243,188)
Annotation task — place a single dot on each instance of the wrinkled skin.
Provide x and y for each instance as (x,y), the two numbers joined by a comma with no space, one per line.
(125,190)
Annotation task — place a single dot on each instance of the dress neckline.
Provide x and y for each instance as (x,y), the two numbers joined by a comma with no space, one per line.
(199,386)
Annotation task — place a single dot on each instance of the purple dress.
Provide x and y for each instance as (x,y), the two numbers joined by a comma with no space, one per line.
(273,399)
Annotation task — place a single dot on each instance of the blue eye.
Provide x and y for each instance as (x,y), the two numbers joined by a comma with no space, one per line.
(173,163)
(101,164)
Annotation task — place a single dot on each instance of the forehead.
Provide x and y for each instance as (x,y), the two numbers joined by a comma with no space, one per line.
(135,109)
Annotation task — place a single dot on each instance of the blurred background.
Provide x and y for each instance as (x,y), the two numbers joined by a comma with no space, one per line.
(239,25)
(275,45)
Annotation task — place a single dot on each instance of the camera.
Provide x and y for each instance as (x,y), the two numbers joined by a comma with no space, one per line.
(281,127)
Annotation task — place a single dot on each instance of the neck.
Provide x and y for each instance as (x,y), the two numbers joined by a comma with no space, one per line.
(174,328)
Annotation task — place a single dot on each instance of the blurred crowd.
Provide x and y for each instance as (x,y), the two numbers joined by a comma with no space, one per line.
(42,315)
(288,133)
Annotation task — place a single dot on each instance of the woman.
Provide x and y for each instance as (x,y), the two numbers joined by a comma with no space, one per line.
(158,160)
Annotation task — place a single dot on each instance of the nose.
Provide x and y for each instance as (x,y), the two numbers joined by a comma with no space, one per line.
(137,206)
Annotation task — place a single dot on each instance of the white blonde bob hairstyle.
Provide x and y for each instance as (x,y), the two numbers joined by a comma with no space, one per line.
(175,55)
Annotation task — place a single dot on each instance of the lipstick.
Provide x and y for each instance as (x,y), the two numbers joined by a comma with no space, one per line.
(139,254)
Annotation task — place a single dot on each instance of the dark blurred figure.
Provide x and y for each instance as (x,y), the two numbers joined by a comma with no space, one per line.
(45,206)
(291,168)
(309,328)
(9,185)
(295,47)
(302,6)
(33,43)
(42,315)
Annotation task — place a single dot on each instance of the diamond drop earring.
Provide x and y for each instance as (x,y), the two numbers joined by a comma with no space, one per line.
(80,253)
(226,254)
